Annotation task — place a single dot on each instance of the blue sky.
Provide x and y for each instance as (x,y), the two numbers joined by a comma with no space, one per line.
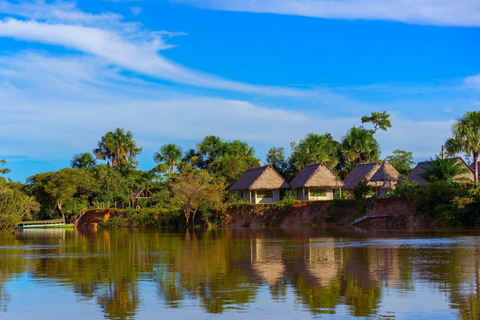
(266,72)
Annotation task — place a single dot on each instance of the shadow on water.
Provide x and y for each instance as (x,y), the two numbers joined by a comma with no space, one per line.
(348,272)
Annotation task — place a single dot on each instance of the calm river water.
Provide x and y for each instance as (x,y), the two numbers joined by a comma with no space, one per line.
(239,274)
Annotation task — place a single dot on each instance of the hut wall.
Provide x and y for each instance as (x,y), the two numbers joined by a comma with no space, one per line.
(266,196)
(316,194)
(244,195)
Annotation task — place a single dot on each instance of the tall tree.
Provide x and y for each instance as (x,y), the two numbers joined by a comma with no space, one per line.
(170,154)
(314,148)
(466,138)
(211,149)
(83,161)
(118,148)
(276,157)
(380,121)
(402,161)
(193,158)
(359,146)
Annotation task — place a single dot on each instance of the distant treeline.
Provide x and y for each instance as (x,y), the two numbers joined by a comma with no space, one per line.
(184,183)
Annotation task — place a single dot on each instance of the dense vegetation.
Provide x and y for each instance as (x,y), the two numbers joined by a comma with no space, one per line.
(191,186)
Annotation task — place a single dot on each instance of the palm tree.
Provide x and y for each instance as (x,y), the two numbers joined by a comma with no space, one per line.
(117,147)
(466,138)
(444,170)
(169,154)
(315,148)
(193,158)
(359,146)
(83,160)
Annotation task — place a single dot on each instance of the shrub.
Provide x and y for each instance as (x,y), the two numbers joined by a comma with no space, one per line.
(404,189)
(362,190)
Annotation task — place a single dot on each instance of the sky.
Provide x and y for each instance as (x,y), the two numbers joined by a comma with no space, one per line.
(266,72)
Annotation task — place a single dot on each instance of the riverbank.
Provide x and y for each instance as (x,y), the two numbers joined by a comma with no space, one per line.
(368,213)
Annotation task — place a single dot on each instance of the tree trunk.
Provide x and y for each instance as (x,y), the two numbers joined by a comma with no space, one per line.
(187,215)
(475,166)
(59,205)
(193,217)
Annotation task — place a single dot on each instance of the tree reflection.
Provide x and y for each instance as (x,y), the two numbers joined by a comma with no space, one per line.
(225,270)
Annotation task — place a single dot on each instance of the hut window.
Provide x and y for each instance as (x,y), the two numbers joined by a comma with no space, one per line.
(318,193)
(265,194)
(241,195)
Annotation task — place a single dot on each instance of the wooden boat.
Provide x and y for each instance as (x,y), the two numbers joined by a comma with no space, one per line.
(54,223)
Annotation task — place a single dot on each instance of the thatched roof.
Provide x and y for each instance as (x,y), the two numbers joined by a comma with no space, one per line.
(142,193)
(360,172)
(386,173)
(422,166)
(316,175)
(260,178)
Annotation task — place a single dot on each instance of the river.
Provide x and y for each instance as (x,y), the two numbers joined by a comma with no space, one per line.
(239,274)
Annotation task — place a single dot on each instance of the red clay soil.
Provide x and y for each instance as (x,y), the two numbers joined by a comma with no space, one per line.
(90,218)
(399,211)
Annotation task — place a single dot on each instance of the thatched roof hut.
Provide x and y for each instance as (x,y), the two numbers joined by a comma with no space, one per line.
(422,166)
(260,178)
(141,193)
(316,175)
(359,173)
(386,173)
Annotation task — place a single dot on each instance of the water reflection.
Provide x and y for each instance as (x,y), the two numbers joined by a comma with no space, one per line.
(220,272)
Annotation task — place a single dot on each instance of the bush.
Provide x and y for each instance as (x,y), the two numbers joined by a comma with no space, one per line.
(428,197)
(404,189)
(362,190)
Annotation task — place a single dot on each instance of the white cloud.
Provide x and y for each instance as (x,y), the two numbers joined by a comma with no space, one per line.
(120,44)
(463,13)
(473,82)
(136,10)
(50,114)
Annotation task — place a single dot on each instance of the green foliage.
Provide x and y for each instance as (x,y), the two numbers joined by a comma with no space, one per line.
(359,146)
(466,137)
(83,161)
(4,170)
(402,161)
(276,157)
(444,170)
(362,190)
(404,189)
(14,204)
(288,201)
(118,148)
(428,197)
(224,160)
(197,190)
(314,148)
(169,155)
(380,121)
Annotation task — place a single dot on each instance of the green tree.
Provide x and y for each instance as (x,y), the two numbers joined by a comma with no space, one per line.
(359,146)
(466,138)
(444,170)
(402,161)
(83,161)
(192,158)
(211,149)
(276,157)
(4,170)
(194,190)
(380,121)
(14,205)
(118,148)
(314,148)
(169,154)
